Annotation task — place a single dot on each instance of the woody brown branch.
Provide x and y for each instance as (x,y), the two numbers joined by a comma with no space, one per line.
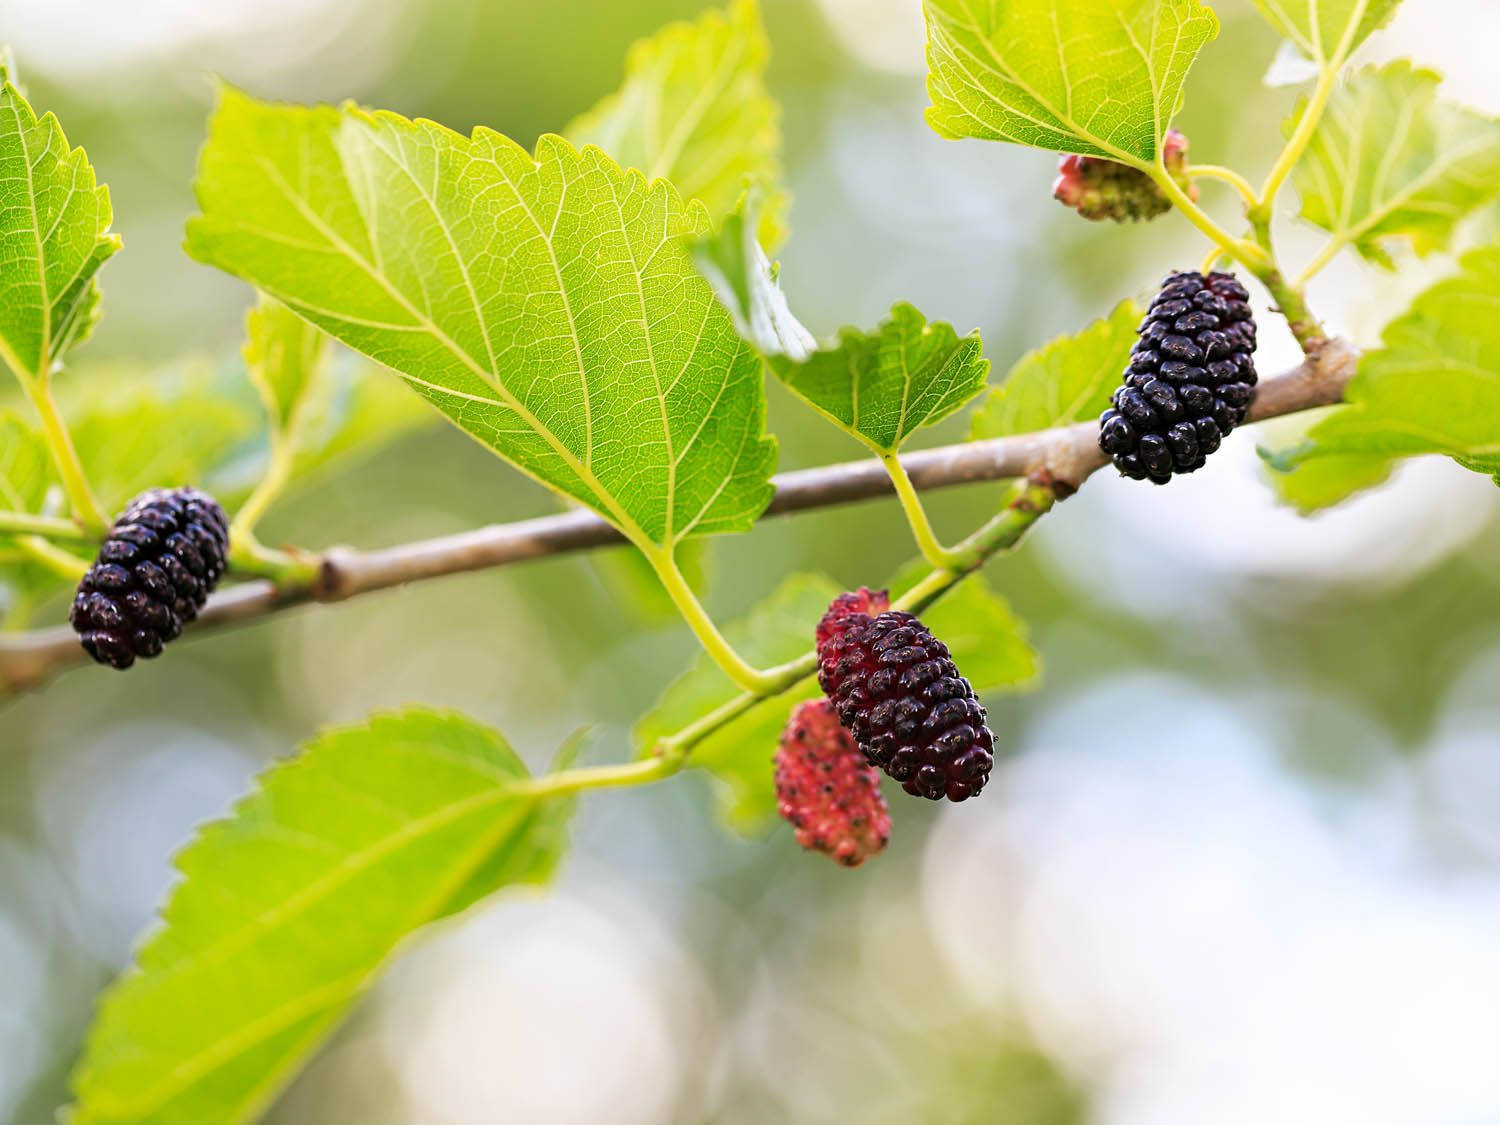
(1065,456)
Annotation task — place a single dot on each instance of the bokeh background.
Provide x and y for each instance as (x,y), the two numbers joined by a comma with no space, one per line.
(1241,863)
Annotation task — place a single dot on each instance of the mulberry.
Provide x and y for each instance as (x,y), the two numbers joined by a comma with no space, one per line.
(897,690)
(155,570)
(1190,379)
(826,790)
(1101,189)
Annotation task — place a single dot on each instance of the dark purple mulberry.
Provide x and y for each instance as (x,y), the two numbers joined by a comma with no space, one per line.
(1190,379)
(826,790)
(897,690)
(153,574)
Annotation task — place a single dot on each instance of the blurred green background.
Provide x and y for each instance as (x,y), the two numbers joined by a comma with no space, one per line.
(1241,863)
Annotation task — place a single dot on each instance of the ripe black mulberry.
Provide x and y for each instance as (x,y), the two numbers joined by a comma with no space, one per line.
(163,556)
(897,690)
(1189,382)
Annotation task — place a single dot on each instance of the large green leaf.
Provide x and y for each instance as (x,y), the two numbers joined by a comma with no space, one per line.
(1327,30)
(289,908)
(283,358)
(54,221)
(545,304)
(1434,385)
(1389,160)
(986,639)
(1067,380)
(694,109)
(883,386)
(1097,77)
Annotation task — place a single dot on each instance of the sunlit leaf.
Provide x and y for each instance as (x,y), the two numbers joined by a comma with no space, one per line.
(1327,30)
(1096,77)
(1067,380)
(545,304)
(1389,160)
(283,357)
(883,386)
(54,221)
(694,109)
(1434,385)
(290,907)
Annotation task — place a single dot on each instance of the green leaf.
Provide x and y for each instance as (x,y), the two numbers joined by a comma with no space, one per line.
(882,387)
(544,304)
(1325,481)
(155,430)
(54,221)
(694,109)
(1065,381)
(1389,160)
(283,358)
(1327,30)
(986,639)
(1095,77)
(290,907)
(353,411)
(1434,385)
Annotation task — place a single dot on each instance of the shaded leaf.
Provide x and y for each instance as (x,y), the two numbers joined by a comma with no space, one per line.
(1327,30)
(748,285)
(1389,160)
(1067,380)
(694,109)
(1434,385)
(1095,77)
(54,221)
(283,354)
(543,303)
(290,907)
(883,386)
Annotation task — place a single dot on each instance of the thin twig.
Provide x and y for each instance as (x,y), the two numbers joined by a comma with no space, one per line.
(1066,456)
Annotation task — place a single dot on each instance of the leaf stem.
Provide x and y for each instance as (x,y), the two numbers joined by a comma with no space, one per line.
(1241,250)
(1290,299)
(75,482)
(1329,252)
(1296,145)
(664,561)
(1226,175)
(48,527)
(287,569)
(565,782)
(916,515)
(271,485)
(54,558)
